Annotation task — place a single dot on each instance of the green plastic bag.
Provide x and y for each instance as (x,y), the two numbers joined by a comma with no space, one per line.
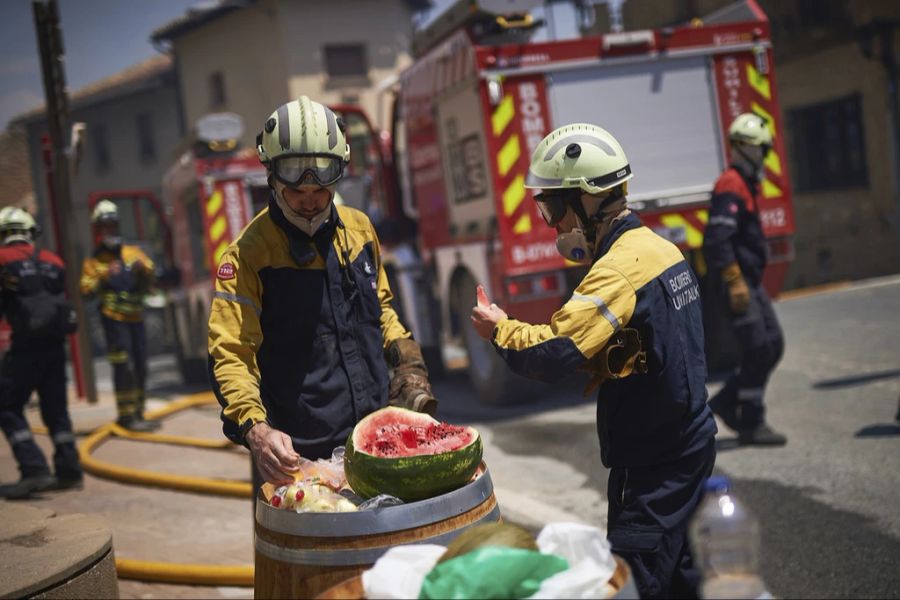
(491,572)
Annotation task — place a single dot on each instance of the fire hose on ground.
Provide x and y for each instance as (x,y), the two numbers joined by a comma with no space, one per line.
(165,572)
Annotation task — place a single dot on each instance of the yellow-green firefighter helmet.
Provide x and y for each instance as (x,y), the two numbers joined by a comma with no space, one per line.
(578,156)
(751,129)
(105,211)
(303,138)
(16,225)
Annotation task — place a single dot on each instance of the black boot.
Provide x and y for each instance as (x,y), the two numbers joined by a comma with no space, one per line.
(27,486)
(69,483)
(150,422)
(725,411)
(137,423)
(761,435)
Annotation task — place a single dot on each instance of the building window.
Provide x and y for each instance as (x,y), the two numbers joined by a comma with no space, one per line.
(821,13)
(217,96)
(99,139)
(828,147)
(146,141)
(347,60)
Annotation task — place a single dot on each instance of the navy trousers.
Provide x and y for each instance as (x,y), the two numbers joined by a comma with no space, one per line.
(761,343)
(44,370)
(649,512)
(126,350)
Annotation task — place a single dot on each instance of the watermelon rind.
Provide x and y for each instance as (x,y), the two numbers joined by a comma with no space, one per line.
(410,478)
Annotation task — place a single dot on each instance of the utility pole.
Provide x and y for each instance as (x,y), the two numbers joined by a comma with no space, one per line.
(46,22)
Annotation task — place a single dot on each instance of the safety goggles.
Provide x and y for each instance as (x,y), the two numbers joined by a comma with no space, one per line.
(321,169)
(554,203)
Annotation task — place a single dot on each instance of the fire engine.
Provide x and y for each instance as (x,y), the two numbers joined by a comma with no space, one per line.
(480,96)
(443,184)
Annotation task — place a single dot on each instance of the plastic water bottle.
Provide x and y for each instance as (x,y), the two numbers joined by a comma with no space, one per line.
(725,540)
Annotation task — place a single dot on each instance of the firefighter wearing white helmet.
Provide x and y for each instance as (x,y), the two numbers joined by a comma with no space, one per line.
(121,275)
(634,323)
(735,252)
(580,168)
(32,300)
(17,225)
(302,330)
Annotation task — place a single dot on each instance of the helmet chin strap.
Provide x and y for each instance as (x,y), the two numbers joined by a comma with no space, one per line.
(307,226)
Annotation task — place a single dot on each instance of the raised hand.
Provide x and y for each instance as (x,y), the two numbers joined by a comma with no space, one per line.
(486,315)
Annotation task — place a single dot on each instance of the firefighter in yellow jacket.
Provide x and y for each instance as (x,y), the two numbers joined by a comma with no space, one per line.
(301,323)
(635,323)
(120,276)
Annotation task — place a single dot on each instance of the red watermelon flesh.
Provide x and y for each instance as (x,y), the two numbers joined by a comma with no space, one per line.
(393,440)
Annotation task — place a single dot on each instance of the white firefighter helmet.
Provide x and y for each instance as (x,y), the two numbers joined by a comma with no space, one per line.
(16,225)
(578,156)
(750,129)
(303,140)
(105,211)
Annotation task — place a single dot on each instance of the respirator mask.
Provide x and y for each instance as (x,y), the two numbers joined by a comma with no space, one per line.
(308,226)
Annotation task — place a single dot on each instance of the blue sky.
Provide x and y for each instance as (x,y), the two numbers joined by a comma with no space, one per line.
(101,37)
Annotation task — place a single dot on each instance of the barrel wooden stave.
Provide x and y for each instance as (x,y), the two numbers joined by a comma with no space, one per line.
(290,564)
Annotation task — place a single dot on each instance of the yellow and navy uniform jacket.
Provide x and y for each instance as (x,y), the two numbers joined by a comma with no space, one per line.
(734,232)
(639,281)
(298,328)
(111,275)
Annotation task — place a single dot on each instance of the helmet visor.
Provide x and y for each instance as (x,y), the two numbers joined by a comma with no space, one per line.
(293,170)
(553,204)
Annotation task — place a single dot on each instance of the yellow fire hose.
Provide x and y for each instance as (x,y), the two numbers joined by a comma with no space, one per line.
(144,570)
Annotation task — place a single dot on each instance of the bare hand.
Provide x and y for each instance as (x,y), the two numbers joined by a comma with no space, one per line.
(486,315)
(273,454)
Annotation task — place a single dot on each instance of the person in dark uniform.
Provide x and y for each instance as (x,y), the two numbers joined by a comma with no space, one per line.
(735,252)
(635,323)
(33,302)
(301,331)
(121,275)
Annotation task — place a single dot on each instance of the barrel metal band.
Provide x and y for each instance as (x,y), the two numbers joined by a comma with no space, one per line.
(381,520)
(354,556)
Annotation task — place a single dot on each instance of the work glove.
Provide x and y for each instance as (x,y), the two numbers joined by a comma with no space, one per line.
(409,382)
(738,292)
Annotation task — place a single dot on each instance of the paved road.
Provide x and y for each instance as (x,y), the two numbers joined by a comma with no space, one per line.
(827,502)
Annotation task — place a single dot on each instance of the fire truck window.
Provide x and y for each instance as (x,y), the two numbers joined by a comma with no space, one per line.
(197,237)
(259,197)
(361,186)
(466,165)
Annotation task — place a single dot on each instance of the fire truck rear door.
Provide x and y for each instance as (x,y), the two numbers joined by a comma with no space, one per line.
(662,111)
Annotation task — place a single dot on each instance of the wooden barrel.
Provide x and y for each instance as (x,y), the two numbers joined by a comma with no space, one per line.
(299,555)
(621,585)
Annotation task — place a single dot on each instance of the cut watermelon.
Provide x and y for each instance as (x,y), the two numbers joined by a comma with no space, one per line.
(409,455)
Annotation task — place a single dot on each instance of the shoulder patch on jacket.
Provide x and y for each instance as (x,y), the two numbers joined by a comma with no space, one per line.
(225,272)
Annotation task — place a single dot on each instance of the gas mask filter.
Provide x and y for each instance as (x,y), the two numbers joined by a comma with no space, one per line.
(573,246)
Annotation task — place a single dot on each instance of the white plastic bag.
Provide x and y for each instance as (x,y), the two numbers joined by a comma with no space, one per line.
(591,564)
(399,573)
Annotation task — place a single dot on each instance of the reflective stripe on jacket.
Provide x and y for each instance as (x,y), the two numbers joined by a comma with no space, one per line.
(734,232)
(121,287)
(640,281)
(296,337)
